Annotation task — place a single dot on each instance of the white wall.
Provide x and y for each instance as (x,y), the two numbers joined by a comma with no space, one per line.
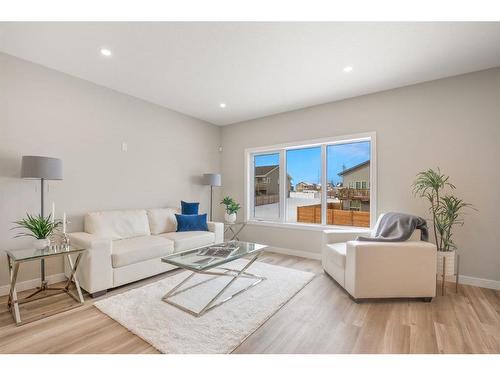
(452,123)
(44,112)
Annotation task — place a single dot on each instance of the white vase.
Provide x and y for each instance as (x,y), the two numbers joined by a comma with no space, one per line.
(41,243)
(230,218)
(448,258)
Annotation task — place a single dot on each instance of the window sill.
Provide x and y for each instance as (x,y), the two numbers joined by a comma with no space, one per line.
(311,227)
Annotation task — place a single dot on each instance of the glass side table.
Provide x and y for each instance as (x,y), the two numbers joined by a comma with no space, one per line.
(16,257)
(233,229)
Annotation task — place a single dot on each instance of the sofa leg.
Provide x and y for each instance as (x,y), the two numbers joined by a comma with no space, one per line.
(427,299)
(99,293)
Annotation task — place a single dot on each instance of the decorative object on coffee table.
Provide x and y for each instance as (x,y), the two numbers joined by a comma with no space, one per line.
(42,168)
(446,210)
(231,209)
(211,260)
(212,179)
(16,257)
(235,229)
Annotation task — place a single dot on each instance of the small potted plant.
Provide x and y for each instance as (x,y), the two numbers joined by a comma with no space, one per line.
(38,227)
(446,211)
(231,209)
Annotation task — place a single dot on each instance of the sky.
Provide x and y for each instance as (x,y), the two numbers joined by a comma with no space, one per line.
(305,164)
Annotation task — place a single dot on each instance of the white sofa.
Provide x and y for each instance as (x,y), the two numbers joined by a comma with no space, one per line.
(125,246)
(380,269)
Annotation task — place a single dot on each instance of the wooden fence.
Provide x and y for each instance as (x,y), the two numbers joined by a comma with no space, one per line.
(334,216)
(266,199)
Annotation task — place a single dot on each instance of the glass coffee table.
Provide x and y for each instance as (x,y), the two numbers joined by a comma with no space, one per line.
(211,260)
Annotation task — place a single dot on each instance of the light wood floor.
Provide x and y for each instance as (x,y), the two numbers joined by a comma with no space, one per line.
(319,319)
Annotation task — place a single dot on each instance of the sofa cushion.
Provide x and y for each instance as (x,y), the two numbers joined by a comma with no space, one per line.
(190,240)
(337,253)
(162,220)
(191,223)
(117,224)
(139,249)
(190,208)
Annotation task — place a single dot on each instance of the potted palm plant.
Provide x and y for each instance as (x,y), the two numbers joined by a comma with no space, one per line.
(446,212)
(38,227)
(231,209)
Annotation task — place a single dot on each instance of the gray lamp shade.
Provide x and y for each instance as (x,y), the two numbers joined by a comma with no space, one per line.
(41,167)
(212,179)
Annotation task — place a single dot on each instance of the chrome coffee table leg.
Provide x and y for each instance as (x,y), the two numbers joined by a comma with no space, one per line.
(232,273)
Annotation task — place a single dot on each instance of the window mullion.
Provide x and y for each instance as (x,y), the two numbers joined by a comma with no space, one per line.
(283,186)
(324,187)
(251,190)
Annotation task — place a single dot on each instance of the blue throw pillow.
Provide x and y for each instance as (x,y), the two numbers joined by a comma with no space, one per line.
(189,223)
(189,208)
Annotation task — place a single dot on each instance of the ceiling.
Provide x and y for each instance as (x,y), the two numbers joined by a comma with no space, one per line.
(257,69)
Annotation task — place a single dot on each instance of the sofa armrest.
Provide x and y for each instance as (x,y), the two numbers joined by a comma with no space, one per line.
(343,235)
(95,272)
(218,229)
(390,269)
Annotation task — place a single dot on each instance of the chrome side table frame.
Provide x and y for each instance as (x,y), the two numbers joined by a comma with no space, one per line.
(229,272)
(229,228)
(13,302)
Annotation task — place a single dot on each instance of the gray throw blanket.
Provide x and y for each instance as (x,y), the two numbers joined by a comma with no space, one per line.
(397,227)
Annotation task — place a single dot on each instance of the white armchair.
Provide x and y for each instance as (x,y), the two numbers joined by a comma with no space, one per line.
(380,269)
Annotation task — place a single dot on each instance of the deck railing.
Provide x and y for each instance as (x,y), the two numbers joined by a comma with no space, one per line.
(354,194)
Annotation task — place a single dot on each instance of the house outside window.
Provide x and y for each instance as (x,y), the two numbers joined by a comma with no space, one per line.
(285,183)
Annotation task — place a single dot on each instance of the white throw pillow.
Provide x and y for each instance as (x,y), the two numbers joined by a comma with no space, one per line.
(117,224)
(162,220)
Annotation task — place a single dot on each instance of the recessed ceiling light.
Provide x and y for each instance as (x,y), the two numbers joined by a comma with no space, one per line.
(347,69)
(222,105)
(106,52)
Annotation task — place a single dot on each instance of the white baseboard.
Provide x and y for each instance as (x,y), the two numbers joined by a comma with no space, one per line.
(476,281)
(296,253)
(31,284)
(51,279)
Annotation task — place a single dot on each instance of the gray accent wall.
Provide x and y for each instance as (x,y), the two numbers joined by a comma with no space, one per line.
(452,123)
(44,112)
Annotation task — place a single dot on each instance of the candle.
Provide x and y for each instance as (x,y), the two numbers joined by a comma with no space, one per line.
(53,211)
(64,222)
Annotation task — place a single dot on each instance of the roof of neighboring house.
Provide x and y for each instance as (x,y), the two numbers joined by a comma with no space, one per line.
(307,183)
(357,166)
(264,170)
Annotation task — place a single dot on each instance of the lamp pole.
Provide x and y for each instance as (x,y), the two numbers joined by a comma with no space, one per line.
(211,179)
(43,168)
(43,283)
(41,197)
(211,199)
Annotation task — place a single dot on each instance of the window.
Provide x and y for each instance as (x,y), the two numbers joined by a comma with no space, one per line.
(266,186)
(321,182)
(303,174)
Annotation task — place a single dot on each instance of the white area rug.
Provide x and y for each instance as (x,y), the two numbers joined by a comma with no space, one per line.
(220,330)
